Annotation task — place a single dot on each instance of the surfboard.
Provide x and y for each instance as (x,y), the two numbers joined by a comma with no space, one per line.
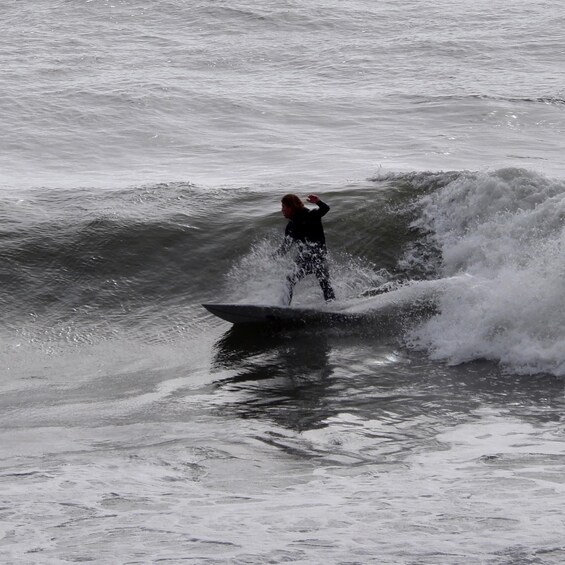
(255,314)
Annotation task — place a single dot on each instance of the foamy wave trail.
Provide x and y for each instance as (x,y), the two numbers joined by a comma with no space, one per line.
(506,230)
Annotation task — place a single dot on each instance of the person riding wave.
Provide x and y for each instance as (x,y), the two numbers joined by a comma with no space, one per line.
(305,234)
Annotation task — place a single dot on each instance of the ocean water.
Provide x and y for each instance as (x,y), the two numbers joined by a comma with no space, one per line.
(145,147)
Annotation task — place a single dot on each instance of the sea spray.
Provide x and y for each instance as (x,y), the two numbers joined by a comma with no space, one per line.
(258,277)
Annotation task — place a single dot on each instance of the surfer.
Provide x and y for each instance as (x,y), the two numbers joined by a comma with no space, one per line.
(305,232)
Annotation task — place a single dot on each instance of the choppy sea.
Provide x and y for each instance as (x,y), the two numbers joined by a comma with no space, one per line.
(144,149)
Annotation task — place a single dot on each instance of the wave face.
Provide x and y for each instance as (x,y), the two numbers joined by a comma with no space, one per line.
(87,263)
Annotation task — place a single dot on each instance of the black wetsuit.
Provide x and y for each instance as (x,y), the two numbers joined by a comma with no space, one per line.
(306,232)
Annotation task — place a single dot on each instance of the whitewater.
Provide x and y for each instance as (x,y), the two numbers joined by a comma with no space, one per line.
(145,147)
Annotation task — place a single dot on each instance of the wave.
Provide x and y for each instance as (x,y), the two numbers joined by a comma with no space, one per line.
(551,100)
(506,230)
(488,246)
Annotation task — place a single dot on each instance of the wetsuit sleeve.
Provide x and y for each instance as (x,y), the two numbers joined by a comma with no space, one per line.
(322,210)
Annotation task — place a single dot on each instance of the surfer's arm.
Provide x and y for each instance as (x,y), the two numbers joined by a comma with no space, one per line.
(323,208)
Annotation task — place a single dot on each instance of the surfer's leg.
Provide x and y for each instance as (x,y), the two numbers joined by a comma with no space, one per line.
(323,275)
(288,290)
(297,273)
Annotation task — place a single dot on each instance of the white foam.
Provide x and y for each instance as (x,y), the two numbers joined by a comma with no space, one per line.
(506,229)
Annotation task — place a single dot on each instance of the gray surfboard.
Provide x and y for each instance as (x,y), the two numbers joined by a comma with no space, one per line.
(250,313)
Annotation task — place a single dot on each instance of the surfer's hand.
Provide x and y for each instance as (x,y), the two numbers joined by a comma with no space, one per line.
(314,198)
